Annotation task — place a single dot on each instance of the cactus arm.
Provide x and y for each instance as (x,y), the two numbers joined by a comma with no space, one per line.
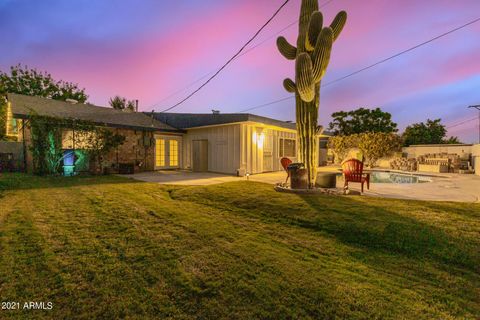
(321,54)
(314,28)
(286,49)
(338,23)
(304,77)
(289,85)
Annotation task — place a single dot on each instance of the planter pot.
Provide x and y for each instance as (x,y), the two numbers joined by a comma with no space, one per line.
(326,180)
(298,176)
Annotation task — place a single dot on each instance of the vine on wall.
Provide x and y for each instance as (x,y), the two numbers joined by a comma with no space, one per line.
(46,141)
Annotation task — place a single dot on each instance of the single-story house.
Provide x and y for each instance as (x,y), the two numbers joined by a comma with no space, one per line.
(237,144)
(138,151)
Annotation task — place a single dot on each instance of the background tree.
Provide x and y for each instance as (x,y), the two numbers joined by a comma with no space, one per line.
(120,103)
(362,120)
(430,132)
(452,140)
(30,82)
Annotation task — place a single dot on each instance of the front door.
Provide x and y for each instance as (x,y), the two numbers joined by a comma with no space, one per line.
(167,152)
(268,153)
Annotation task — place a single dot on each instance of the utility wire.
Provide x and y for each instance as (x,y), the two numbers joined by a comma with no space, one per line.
(241,55)
(230,60)
(460,123)
(372,65)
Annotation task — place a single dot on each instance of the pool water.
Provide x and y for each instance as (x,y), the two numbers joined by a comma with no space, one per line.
(397,178)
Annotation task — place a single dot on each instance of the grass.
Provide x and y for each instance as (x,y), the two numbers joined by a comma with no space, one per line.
(109,248)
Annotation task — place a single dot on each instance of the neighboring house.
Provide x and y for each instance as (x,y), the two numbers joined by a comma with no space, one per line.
(138,152)
(236,143)
(225,143)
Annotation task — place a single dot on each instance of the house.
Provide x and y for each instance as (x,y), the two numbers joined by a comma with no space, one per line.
(236,144)
(139,130)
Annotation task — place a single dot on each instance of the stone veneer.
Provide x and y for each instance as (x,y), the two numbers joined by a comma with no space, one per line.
(132,151)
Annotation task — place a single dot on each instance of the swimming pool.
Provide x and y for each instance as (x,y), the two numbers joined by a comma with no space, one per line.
(395,177)
(398,178)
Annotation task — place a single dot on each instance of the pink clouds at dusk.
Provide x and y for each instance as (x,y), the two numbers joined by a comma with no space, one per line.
(148,50)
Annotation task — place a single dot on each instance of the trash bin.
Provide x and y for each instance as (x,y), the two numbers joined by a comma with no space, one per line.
(298,176)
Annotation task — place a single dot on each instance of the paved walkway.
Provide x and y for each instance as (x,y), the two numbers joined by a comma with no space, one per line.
(444,187)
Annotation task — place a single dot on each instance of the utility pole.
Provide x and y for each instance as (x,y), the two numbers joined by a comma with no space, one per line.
(478,108)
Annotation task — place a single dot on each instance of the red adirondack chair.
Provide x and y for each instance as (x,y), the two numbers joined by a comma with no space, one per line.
(353,172)
(285,163)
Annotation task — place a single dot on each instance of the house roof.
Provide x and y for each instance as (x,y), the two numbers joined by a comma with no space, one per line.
(22,106)
(194,120)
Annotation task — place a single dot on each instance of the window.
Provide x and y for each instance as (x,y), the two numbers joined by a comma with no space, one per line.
(323,143)
(173,153)
(287,148)
(11,124)
(160,153)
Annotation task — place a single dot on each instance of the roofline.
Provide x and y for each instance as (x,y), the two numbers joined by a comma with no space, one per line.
(112,125)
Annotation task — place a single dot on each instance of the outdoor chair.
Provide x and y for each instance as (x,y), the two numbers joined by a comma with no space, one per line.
(353,172)
(285,163)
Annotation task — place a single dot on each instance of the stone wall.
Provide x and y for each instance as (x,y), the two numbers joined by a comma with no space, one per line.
(138,149)
(11,155)
(419,150)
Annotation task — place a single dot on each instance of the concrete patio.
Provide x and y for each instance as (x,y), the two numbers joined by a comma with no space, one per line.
(444,187)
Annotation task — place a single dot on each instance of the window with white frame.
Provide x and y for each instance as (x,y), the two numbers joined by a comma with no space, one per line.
(287,148)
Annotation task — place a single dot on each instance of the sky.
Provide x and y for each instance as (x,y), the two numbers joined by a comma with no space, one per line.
(153,50)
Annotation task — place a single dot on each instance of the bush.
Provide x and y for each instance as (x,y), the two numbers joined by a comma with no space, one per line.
(377,145)
(373,145)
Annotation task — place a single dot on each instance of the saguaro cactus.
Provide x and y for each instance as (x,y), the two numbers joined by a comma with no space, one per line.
(312,55)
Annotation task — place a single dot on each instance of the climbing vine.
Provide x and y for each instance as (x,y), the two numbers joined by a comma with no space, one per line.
(3,118)
(47,140)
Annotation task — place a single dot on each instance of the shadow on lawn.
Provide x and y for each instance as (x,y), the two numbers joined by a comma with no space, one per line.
(376,225)
(378,228)
(22,181)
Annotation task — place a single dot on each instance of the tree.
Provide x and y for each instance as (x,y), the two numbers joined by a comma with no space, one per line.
(452,140)
(430,132)
(30,82)
(120,103)
(362,120)
(23,80)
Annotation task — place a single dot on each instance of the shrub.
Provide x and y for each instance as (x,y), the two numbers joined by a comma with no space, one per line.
(373,145)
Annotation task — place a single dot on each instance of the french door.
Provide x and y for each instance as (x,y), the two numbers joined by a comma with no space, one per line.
(167,152)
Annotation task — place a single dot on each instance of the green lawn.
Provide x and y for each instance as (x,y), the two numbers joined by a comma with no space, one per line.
(108,248)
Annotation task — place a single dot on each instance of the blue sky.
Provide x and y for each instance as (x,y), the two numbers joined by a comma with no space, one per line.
(148,50)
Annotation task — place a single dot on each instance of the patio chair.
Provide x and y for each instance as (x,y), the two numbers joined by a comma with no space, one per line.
(353,172)
(285,163)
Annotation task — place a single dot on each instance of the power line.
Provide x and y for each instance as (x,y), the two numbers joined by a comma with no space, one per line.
(372,65)
(241,55)
(460,123)
(230,60)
